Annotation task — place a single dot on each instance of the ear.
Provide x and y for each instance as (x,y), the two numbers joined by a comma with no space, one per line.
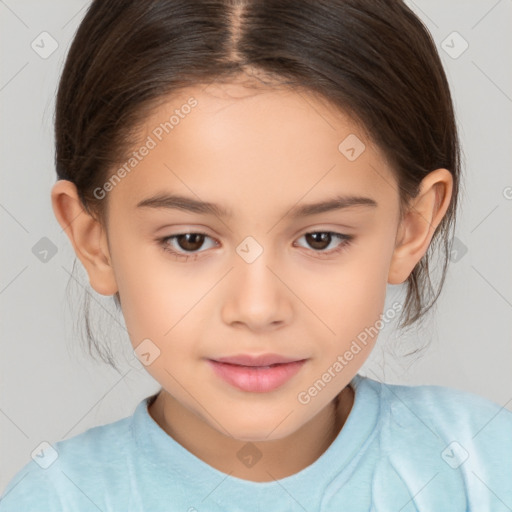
(87,236)
(419,224)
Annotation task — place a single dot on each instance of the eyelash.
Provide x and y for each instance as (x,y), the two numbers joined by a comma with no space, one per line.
(345,239)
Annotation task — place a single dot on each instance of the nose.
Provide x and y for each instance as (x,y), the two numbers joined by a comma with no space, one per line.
(256,295)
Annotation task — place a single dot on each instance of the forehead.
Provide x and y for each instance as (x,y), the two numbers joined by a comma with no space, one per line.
(218,139)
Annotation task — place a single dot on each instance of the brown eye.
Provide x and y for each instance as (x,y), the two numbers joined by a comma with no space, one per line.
(319,240)
(190,241)
(186,244)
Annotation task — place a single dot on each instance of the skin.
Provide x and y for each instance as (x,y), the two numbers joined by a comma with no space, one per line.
(257,153)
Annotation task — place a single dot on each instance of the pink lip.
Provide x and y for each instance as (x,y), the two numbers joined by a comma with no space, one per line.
(262,360)
(256,379)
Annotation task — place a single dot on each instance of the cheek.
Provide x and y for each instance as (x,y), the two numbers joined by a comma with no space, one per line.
(154,295)
(161,302)
(355,292)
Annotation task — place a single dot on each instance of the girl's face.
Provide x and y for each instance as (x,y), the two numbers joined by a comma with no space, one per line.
(248,166)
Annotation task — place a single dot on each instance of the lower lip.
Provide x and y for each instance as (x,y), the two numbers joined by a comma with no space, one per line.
(256,379)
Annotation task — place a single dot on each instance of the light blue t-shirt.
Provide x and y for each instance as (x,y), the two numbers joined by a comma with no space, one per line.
(402,449)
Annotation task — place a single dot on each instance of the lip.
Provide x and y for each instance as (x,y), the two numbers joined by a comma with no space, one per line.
(253,378)
(261,360)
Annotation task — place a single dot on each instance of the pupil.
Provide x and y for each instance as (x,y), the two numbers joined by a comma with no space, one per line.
(319,240)
(193,241)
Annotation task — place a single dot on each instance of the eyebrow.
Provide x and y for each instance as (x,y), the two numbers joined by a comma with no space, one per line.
(188,204)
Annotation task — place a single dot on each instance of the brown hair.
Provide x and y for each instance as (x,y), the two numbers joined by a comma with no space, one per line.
(373,59)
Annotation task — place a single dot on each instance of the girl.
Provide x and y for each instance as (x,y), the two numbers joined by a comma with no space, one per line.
(246,178)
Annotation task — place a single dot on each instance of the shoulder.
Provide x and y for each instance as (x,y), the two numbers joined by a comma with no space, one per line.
(30,490)
(72,473)
(447,429)
(99,445)
(457,442)
(447,409)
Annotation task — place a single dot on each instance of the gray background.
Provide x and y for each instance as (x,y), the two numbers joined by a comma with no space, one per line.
(52,390)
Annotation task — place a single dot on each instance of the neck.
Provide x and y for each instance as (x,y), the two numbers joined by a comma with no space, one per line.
(279,458)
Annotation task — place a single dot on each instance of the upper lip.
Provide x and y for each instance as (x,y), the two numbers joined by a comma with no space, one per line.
(261,360)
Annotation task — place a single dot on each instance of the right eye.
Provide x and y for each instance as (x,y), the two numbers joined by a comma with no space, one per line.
(184,244)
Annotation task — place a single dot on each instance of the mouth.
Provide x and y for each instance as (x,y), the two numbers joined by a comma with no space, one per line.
(261,360)
(260,374)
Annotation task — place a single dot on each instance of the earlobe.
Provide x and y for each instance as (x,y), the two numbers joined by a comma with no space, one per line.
(87,236)
(419,224)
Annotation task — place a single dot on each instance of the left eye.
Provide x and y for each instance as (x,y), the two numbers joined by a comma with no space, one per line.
(320,240)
